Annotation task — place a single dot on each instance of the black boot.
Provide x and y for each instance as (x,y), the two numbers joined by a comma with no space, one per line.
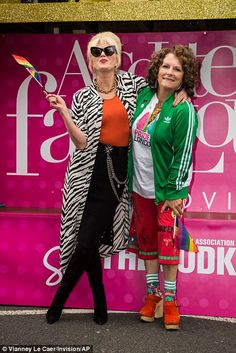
(94,272)
(55,310)
(77,265)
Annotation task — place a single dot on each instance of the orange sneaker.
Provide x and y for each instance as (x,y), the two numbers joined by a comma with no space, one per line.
(152,309)
(171,315)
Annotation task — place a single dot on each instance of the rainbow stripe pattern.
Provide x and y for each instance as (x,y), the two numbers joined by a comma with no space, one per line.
(185,240)
(24,62)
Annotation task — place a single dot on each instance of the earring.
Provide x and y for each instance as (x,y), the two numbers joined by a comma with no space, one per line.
(94,74)
(178,88)
(154,85)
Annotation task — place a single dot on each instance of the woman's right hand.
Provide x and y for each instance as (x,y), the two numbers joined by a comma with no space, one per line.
(175,205)
(56,102)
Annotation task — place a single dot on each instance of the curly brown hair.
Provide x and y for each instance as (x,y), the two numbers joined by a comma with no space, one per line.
(189,64)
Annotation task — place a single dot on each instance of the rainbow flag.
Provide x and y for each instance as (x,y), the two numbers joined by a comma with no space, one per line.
(22,61)
(185,240)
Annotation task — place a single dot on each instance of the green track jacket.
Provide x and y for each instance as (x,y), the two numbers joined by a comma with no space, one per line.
(171,140)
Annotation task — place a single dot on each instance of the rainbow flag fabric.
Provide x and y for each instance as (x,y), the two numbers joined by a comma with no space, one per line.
(24,62)
(185,240)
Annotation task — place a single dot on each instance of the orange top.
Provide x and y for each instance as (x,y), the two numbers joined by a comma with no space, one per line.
(115,129)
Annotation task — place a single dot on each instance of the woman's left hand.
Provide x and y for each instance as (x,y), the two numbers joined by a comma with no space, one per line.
(175,205)
(181,97)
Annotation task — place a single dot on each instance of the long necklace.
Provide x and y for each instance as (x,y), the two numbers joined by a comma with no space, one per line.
(99,89)
(154,114)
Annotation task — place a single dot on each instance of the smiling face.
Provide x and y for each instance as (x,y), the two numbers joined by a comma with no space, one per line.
(170,74)
(103,62)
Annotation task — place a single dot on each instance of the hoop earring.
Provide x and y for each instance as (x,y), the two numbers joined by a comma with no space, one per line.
(154,86)
(179,88)
(94,74)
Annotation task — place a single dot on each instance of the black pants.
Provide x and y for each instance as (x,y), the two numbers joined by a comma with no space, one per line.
(101,202)
(97,218)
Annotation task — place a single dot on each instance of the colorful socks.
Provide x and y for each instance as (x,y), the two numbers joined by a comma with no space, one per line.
(153,287)
(152,280)
(170,290)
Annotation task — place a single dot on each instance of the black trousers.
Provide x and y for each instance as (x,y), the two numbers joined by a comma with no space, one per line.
(101,202)
(97,218)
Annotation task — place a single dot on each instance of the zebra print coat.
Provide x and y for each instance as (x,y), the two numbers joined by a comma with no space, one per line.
(87,115)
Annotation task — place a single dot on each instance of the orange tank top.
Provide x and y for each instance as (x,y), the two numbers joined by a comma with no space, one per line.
(115,129)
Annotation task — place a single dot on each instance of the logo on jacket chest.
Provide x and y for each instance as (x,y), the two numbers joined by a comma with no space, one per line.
(167,119)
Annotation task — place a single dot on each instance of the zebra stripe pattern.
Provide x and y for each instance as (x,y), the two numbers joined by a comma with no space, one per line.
(87,115)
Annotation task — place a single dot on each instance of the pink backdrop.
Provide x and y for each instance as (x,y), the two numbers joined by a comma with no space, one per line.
(36,150)
(29,268)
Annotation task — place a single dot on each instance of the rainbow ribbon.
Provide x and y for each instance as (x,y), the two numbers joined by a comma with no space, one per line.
(185,240)
(22,61)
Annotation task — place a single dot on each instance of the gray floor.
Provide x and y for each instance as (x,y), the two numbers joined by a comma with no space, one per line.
(123,333)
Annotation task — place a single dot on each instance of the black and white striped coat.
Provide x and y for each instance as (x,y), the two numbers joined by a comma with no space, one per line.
(87,115)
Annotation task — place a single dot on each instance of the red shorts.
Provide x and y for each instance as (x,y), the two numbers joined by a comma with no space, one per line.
(152,232)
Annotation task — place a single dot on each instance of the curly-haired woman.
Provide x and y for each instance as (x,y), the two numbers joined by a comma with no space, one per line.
(160,169)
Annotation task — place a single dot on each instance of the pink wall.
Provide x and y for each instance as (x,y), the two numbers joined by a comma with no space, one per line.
(37,147)
(35,150)
(29,268)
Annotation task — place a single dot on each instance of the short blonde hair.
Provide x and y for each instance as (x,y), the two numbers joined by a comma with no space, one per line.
(111,39)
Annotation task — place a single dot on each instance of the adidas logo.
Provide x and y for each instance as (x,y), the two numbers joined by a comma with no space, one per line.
(167,119)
